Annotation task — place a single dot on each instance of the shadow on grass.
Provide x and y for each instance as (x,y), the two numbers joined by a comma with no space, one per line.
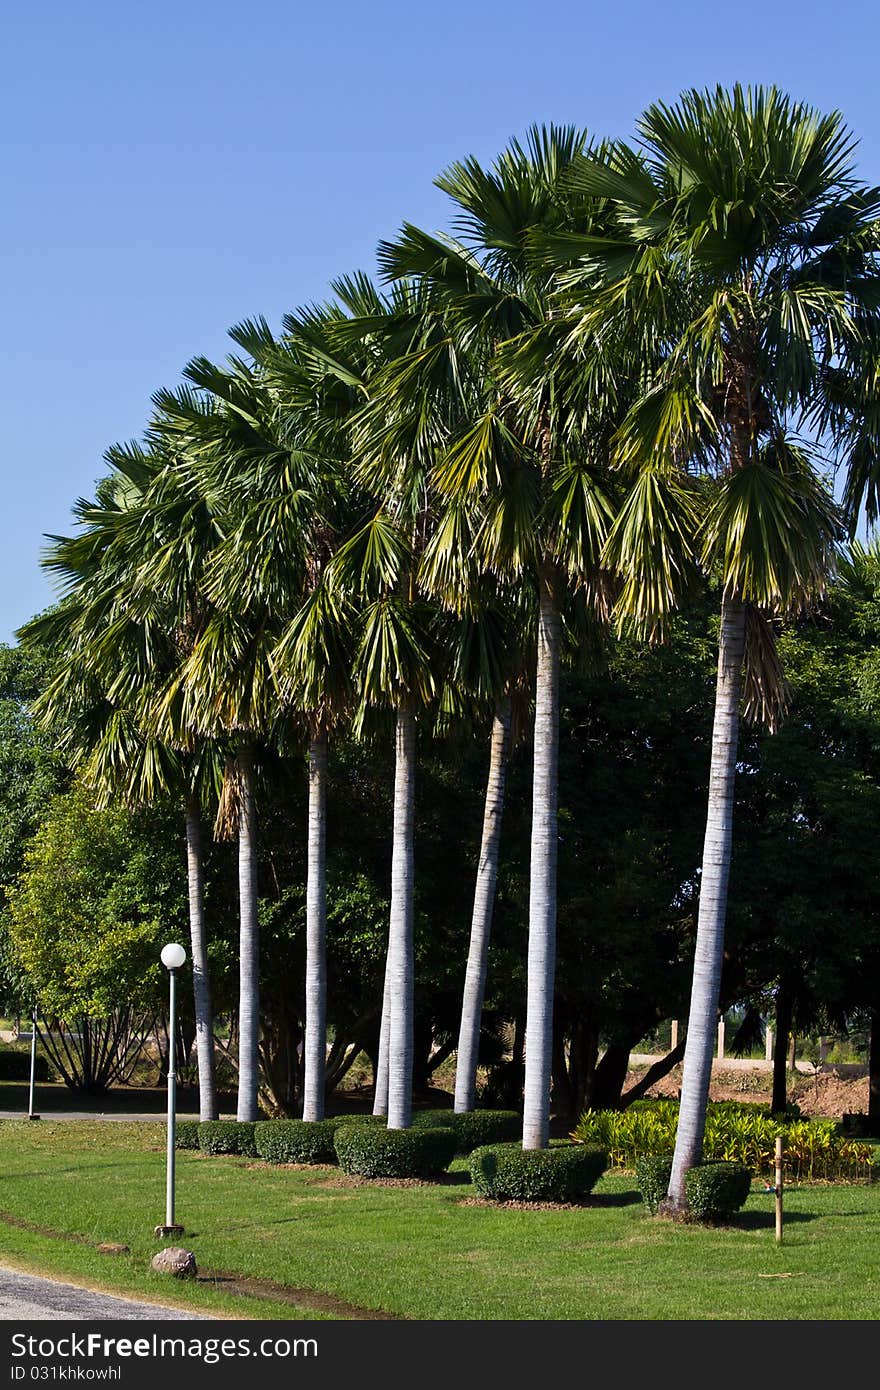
(766,1220)
(612,1199)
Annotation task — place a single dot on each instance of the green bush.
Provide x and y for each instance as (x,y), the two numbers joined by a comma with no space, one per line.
(16,1066)
(296,1141)
(227,1137)
(370,1152)
(735,1132)
(186,1134)
(510,1173)
(381,1120)
(716,1189)
(652,1180)
(473,1129)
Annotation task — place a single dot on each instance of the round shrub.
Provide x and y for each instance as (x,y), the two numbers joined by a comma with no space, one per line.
(296,1141)
(652,1179)
(473,1129)
(510,1173)
(370,1152)
(717,1189)
(186,1134)
(227,1137)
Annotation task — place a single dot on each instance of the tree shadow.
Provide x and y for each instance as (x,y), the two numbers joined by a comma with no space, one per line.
(765,1220)
(612,1199)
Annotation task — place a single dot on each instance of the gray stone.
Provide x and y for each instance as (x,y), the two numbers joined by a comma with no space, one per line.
(177,1261)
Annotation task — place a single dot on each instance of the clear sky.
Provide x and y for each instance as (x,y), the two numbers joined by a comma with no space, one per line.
(173,167)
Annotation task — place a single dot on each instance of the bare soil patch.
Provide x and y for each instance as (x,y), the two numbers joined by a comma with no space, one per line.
(522,1206)
(827,1095)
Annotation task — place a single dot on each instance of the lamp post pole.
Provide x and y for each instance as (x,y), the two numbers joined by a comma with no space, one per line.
(172,1097)
(31,1113)
(173,957)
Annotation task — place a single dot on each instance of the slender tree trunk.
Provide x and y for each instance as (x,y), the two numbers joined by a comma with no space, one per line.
(315,1047)
(249,945)
(708,955)
(481,920)
(784,1017)
(542,883)
(380,1087)
(401,955)
(199,948)
(656,1072)
(610,1078)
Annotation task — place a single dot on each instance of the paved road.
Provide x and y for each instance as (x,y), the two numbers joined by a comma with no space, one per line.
(25,1298)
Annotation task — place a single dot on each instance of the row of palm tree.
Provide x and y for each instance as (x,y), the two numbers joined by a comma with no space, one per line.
(621,375)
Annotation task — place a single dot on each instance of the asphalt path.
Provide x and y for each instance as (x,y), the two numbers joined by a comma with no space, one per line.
(27,1298)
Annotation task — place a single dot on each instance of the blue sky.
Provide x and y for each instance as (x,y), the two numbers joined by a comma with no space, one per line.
(172,168)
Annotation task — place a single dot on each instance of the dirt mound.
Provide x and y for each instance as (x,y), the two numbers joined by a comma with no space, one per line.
(828,1094)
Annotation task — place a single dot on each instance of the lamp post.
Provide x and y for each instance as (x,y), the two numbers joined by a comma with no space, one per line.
(32,1115)
(173,957)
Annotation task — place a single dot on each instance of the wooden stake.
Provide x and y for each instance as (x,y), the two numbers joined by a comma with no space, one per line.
(779,1189)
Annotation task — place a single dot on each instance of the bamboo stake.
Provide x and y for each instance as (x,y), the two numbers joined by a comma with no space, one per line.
(778,1189)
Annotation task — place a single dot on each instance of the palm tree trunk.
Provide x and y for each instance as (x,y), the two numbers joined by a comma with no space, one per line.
(199,949)
(709,950)
(542,884)
(249,944)
(315,1048)
(380,1087)
(481,920)
(401,962)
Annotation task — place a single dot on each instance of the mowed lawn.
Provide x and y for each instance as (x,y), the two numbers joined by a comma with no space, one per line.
(418,1251)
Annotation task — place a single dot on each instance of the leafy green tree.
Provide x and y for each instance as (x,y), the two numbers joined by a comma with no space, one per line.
(31,774)
(99,894)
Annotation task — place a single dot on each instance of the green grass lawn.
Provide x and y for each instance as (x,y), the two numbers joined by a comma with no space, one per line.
(419,1252)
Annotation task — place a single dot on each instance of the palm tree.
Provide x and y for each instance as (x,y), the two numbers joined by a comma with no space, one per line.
(313,659)
(113,640)
(521,483)
(228,427)
(487,672)
(372,339)
(727,270)
(481,921)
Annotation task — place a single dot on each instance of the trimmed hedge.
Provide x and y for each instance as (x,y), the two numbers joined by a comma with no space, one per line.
(368,1151)
(652,1179)
(510,1173)
(186,1134)
(716,1189)
(296,1141)
(228,1137)
(474,1128)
